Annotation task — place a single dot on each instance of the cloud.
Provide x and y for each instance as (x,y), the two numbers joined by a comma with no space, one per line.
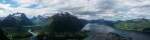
(4,9)
(86,9)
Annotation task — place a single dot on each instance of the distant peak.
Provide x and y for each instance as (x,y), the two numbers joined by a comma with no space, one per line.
(17,14)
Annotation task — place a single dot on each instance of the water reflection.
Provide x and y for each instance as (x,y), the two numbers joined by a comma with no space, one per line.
(96,28)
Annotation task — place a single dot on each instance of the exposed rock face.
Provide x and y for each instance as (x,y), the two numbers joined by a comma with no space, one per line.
(109,36)
(40,19)
(25,20)
(9,21)
(16,19)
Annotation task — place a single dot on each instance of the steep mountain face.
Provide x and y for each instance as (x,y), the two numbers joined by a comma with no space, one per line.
(16,20)
(64,22)
(25,20)
(83,21)
(9,21)
(0,23)
(2,18)
(39,20)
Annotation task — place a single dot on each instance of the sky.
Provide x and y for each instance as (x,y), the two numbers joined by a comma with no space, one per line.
(85,9)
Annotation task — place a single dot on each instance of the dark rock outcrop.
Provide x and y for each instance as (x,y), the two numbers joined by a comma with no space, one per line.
(25,20)
(2,35)
(109,36)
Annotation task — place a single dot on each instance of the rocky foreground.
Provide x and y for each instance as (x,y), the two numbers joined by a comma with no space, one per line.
(109,36)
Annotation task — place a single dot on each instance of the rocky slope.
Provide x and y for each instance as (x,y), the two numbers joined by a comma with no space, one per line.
(109,36)
(16,20)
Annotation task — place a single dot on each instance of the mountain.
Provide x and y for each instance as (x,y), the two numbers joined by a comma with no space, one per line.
(2,18)
(9,21)
(25,20)
(0,23)
(138,20)
(99,21)
(103,22)
(84,22)
(16,20)
(40,19)
(64,22)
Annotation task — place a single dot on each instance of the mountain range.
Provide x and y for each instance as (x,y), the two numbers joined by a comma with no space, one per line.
(40,19)
(15,20)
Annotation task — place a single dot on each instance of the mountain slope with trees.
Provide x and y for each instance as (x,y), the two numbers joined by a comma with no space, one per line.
(64,22)
(141,24)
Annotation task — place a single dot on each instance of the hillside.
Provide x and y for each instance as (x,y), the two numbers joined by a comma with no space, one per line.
(64,22)
(135,24)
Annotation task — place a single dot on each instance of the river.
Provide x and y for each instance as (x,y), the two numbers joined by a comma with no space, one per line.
(33,37)
(96,28)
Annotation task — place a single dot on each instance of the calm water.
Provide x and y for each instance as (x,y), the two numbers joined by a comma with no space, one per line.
(96,28)
(33,37)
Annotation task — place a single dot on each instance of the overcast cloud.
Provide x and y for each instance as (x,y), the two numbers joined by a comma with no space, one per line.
(86,9)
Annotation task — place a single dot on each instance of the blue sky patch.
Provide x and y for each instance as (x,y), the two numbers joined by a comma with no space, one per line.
(58,10)
(13,4)
(125,10)
(33,6)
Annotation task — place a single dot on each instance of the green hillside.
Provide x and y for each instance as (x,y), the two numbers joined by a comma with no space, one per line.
(134,25)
